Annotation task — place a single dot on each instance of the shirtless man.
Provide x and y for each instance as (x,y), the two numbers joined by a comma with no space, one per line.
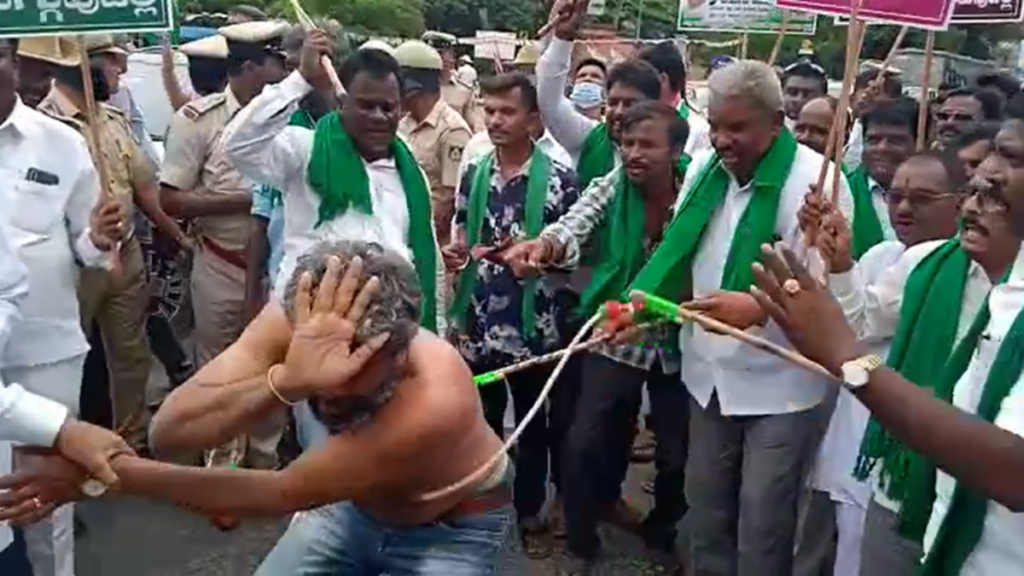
(404,417)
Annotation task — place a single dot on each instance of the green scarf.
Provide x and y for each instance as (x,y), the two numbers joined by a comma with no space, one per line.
(867,228)
(683,109)
(597,157)
(667,272)
(924,339)
(964,523)
(537,180)
(338,176)
(302,119)
(620,244)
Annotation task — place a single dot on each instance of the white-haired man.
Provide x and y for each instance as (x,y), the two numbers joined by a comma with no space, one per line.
(753,418)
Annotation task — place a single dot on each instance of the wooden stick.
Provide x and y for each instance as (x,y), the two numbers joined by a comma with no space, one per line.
(850,75)
(93,135)
(744,43)
(922,112)
(712,325)
(777,47)
(325,60)
(502,373)
(892,54)
(546,28)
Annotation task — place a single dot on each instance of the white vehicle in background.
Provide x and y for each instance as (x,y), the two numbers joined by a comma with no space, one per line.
(145,81)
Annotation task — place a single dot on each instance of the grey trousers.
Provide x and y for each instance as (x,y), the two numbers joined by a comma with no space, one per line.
(883,550)
(744,478)
(816,547)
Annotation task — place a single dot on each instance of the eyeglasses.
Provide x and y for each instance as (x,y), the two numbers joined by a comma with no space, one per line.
(916,200)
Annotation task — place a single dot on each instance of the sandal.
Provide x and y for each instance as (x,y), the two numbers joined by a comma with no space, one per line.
(533,535)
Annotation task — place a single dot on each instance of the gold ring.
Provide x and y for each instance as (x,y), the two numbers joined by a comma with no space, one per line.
(791,287)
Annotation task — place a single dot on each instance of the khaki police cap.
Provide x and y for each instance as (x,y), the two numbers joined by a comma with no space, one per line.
(527,55)
(378,45)
(102,44)
(419,55)
(255,32)
(439,39)
(56,50)
(215,47)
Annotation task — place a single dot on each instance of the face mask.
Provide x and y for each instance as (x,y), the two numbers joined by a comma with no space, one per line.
(587,95)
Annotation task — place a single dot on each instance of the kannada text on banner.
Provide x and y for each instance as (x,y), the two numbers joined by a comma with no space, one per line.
(977,12)
(44,17)
(930,14)
(750,16)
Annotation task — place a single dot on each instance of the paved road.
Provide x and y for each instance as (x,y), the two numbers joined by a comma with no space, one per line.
(131,537)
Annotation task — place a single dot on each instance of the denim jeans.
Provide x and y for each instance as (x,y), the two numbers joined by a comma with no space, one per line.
(342,539)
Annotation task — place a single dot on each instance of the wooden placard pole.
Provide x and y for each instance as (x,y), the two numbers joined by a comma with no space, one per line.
(852,56)
(744,44)
(924,109)
(93,134)
(777,47)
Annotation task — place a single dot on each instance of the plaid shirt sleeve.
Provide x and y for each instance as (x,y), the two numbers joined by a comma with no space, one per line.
(573,230)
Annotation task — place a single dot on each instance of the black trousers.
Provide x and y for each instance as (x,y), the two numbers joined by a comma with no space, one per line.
(596,451)
(14,558)
(532,453)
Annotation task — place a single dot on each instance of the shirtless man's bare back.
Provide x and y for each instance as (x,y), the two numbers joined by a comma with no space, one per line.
(400,403)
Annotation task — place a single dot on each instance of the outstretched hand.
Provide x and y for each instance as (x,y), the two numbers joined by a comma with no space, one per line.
(813,321)
(322,356)
(33,493)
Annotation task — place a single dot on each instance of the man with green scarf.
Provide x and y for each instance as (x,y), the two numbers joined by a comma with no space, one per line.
(925,304)
(924,202)
(890,136)
(592,144)
(753,421)
(499,319)
(969,428)
(350,178)
(619,221)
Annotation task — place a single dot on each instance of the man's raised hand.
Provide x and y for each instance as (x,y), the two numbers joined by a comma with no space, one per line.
(321,356)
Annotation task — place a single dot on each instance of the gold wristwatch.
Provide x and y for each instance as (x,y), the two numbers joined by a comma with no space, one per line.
(856,373)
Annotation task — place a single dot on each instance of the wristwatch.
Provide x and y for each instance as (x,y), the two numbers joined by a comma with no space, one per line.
(93,488)
(856,373)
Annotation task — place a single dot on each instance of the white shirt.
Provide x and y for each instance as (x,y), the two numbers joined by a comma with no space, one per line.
(999,551)
(48,187)
(264,148)
(569,127)
(749,381)
(480,145)
(881,208)
(837,454)
(872,307)
(24,417)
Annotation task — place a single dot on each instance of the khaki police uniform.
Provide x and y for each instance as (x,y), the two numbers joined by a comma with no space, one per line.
(117,303)
(438,139)
(194,161)
(463,101)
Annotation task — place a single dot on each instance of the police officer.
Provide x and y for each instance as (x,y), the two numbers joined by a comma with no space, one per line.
(201,184)
(457,95)
(435,131)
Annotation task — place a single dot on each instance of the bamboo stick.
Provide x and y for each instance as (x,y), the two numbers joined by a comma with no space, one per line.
(923,110)
(744,44)
(325,60)
(852,55)
(777,47)
(502,373)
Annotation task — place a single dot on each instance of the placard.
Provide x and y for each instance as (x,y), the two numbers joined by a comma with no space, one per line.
(49,17)
(742,16)
(930,14)
(976,12)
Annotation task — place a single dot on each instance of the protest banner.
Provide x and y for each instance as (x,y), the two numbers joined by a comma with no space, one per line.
(976,12)
(50,17)
(742,16)
(928,14)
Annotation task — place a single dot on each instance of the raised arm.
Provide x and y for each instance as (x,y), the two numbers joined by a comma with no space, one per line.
(567,125)
(230,394)
(259,141)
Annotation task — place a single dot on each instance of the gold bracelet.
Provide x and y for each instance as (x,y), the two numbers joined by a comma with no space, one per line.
(270,384)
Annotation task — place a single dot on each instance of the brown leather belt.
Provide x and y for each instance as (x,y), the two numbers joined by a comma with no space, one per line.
(497,497)
(233,257)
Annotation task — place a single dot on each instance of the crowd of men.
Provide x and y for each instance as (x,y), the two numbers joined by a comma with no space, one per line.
(355,236)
